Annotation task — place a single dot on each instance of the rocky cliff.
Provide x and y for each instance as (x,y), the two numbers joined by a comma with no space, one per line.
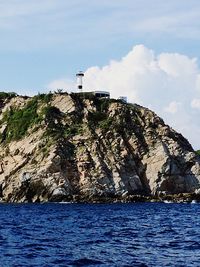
(74,147)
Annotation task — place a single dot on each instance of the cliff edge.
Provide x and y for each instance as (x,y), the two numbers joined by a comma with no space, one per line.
(72,147)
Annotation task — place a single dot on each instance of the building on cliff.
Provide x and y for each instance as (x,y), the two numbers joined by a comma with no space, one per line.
(100,93)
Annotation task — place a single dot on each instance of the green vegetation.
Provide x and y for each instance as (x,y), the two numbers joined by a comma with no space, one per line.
(53,119)
(19,120)
(45,147)
(55,127)
(45,98)
(74,129)
(106,124)
(101,104)
(4,95)
(99,120)
(198,152)
(96,117)
(38,109)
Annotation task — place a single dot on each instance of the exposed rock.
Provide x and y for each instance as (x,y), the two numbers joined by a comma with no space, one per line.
(94,150)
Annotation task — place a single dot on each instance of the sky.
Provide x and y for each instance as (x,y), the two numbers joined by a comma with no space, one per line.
(147,50)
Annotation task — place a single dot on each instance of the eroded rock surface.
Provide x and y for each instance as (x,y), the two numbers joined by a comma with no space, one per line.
(88,148)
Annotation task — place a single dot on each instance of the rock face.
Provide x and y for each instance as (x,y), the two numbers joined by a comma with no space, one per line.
(71,147)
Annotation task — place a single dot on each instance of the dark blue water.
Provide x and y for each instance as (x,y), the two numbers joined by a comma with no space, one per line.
(148,234)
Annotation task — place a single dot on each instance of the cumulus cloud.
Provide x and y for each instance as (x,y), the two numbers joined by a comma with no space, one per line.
(168,83)
(172,107)
(195,103)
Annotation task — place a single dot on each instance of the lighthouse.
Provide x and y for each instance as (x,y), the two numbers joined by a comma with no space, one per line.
(80,76)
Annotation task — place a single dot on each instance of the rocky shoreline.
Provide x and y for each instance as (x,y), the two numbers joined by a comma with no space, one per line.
(77,199)
(177,198)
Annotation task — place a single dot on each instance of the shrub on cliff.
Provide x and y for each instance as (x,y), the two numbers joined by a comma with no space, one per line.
(4,95)
(19,120)
(198,152)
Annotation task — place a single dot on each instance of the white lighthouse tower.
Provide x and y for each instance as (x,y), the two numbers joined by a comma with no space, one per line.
(80,76)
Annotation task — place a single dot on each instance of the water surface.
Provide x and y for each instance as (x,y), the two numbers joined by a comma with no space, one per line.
(138,234)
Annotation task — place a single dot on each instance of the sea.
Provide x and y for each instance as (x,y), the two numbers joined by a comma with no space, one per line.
(132,234)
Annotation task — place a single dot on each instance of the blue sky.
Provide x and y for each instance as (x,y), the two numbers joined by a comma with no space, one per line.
(45,39)
(152,46)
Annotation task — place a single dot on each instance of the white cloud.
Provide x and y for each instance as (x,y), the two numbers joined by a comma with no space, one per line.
(168,83)
(172,107)
(173,64)
(195,103)
(40,24)
(146,78)
(198,83)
